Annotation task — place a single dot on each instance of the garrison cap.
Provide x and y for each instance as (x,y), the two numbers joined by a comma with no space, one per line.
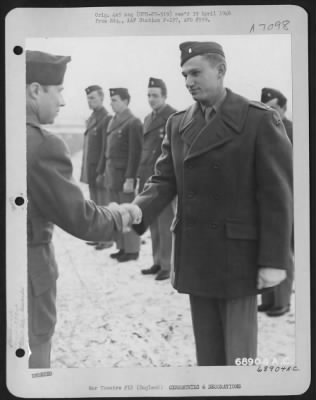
(92,88)
(192,49)
(268,94)
(122,92)
(155,82)
(45,68)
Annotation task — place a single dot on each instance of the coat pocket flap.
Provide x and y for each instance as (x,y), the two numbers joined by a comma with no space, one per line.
(238,230)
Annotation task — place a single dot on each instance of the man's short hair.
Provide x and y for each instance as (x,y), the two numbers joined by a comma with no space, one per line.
(214,59)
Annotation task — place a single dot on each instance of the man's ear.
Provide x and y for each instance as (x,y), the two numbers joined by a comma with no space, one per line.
(221,70)
(34,90)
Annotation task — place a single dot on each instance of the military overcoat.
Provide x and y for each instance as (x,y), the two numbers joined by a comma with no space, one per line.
(123,149)
(94,148)
(233,177)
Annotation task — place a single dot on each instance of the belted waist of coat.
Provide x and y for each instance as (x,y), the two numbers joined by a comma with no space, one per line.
(39,232)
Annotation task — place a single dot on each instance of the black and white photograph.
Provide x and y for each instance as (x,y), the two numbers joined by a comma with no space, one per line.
(161,170)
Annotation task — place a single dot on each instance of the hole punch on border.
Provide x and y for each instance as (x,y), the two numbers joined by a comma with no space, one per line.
(20,353)
(19,201)
(18,50)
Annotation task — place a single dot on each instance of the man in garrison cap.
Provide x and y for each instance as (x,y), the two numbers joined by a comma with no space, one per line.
(229,162)
(122,158)
(154,132)
(277,302)
(54,198)
(275,99)
(93,149)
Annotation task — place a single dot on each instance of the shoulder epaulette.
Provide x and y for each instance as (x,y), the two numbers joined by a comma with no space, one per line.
(260,105)
(178,112)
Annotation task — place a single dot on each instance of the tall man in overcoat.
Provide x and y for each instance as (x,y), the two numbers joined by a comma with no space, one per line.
(93,147)
(154,132)
(122,158)
(277,302)
(229,161)
(53,198)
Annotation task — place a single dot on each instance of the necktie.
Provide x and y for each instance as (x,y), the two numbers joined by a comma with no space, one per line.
(209,113)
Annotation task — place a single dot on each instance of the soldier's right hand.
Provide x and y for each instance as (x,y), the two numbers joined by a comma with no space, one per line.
(135,213)
(129,214)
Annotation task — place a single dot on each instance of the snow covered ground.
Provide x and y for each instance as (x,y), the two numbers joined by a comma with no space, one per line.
(110,315)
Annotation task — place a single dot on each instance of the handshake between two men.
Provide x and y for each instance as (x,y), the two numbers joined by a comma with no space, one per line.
(125,215)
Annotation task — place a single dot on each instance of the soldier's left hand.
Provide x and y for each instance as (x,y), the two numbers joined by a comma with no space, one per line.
(128,186)
(269,277)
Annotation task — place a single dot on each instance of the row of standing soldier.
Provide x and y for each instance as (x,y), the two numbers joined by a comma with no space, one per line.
(120,153)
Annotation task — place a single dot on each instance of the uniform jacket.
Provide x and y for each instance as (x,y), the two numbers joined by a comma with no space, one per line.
(154,132)
(288,127)
(94,145)
(124,148)
(233,177)
(54,198)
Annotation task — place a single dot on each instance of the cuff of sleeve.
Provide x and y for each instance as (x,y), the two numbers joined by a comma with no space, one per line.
(116,213)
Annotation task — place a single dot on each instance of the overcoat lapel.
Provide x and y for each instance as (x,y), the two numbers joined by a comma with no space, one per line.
(93,121)
(202,137)
(158,122)
(147,123)
(119,120)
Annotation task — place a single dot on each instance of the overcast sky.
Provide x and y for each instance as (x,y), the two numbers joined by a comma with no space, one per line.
(253,62)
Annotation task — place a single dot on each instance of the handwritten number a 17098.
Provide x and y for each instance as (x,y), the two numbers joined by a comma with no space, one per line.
(278,25)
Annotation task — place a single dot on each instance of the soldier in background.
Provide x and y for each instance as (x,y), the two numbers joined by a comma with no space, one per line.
(154,132)
(277,301)
(54,198)
(92,150)
(275,99)
(122,158)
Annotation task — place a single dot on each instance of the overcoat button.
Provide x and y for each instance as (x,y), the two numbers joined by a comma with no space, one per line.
(216,166)
(214,226)
(190,195)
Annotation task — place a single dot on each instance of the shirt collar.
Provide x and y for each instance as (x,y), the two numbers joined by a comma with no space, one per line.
(216,106)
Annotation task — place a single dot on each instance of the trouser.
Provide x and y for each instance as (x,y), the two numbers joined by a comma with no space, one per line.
(161,238)
(224,329)
(280,296)
(129,242)
(40,355)
(41,325)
